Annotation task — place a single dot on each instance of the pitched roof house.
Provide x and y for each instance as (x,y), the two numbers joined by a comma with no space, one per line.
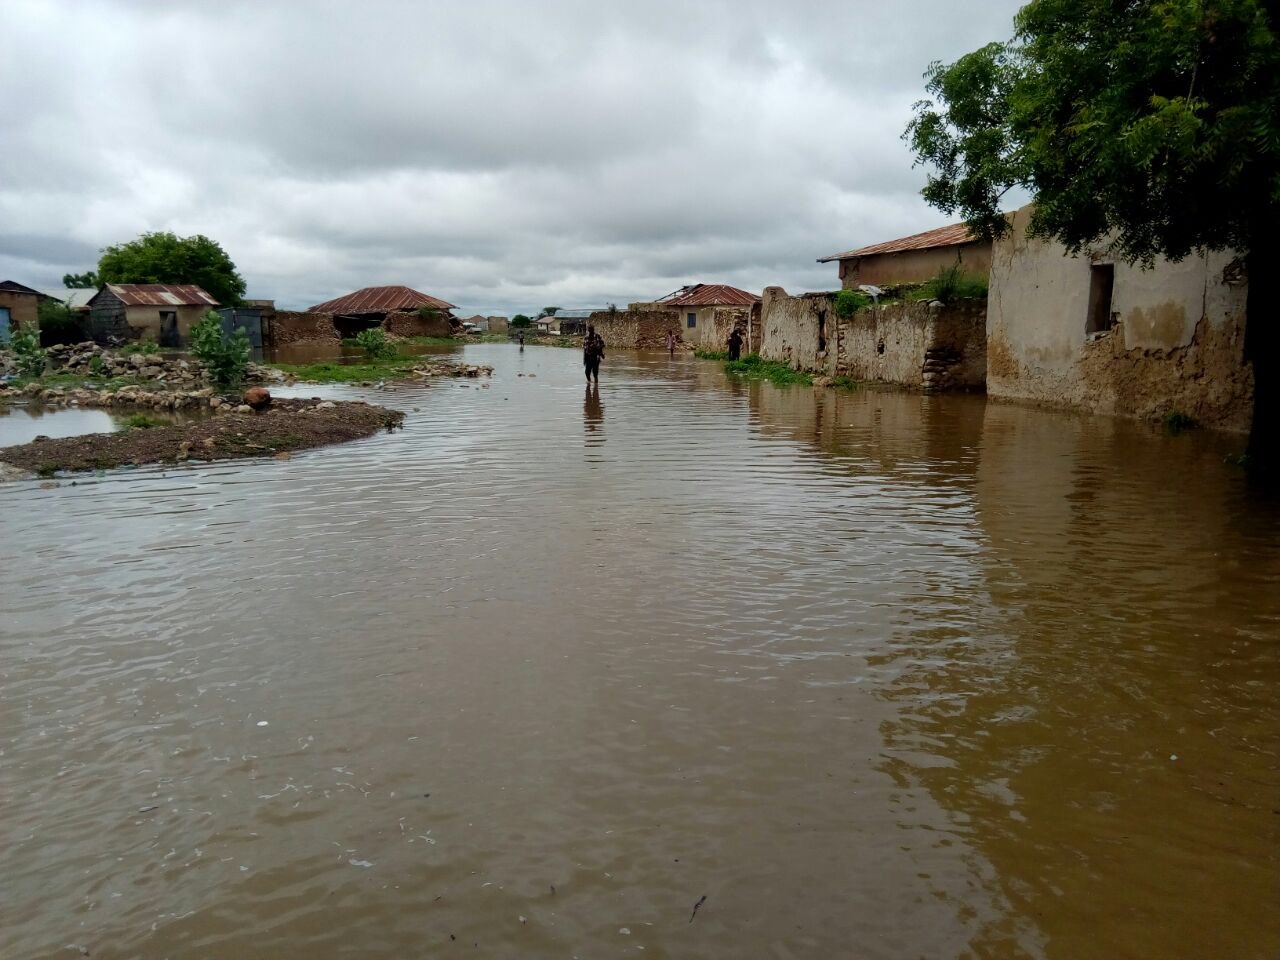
(19,306)
(160,312)
(697,304)
(380,300)
(915,258)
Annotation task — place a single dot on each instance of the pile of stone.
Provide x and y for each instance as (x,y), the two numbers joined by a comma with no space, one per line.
(91,361)
(439,368)
(128,396)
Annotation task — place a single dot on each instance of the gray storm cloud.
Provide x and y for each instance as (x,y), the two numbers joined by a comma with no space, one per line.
(503,156)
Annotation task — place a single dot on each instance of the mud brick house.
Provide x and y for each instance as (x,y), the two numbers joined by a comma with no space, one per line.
(399,310)
(19,307)
(160,312)
(913,259)
(708,312)
(1094,332)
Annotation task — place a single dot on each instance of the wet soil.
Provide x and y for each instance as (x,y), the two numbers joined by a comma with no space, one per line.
(288,425)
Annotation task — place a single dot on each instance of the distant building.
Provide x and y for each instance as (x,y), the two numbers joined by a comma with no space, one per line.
(75,299)
(399,310)
(498,324)
(19,307)
(913,259)
(160,312)
(704,317)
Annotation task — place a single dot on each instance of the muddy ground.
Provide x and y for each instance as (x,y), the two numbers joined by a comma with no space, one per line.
(288,425)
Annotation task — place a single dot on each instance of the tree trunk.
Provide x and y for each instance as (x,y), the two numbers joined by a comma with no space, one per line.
(1262,350)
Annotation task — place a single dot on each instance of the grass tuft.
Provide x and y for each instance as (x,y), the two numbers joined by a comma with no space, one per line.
(755,367)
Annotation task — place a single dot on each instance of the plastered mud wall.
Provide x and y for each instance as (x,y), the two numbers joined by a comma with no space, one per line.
(919,345)
(1176,340)
(407,323)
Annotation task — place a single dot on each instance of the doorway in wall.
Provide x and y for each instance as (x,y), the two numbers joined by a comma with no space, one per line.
(1102,281)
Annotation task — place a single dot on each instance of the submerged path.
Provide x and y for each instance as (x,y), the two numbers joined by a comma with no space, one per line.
(708,668)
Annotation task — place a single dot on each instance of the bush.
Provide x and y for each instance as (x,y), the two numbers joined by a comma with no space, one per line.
(374,343)
(520,320)
(848,302)
(97,366)
(58,324)
(225,358)
(144,347)
(31,357)
(952,283)
(141,421)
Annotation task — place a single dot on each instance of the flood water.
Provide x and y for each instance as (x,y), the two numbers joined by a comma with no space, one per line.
(877,675)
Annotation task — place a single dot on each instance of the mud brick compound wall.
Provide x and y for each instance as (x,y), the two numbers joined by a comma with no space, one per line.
(930,346)
(407,323)
(295,326)
(635,329)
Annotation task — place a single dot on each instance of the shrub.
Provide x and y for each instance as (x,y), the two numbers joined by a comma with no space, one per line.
(520,320)
(97,366)
(141,421)
(31,357)
(848,302)
(58,324)
(225,358)
(952,283)
(374,343)
(144,347)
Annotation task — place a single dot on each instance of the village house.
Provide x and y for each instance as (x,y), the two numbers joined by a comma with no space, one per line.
(399,310)
(1094,332)
(708,313)
(159,312)
(913,259)
(19,307)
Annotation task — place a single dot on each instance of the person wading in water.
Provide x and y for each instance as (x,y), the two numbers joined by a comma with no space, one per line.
(735,344)
(592,354)
(671,342)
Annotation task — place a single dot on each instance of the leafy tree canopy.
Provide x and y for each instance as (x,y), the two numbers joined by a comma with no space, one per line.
(168,258)
(73,281)
(1157,121)
(520,320)
(549,311)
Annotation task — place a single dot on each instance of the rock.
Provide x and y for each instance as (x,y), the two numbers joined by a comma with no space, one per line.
(284,455)
(215,402)
(326,405)
(244,408)
(184,449)
(209,443)
(257,398)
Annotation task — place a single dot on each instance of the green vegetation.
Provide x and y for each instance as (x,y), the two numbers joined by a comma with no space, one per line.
(31,357)
(330,372)
(375,344)
(143,421)
(711,354)
(97,366)
(520,321)
(167,258)
(846,383)
(74,281)
(848,302)
(549,311)
(145,347)
(949,284)
(1175,421)
(57,323)
(225,358)
(449,341)
(754,367)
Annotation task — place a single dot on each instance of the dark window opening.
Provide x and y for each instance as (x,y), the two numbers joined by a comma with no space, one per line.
(1102,279)
(691,320)
(822,331)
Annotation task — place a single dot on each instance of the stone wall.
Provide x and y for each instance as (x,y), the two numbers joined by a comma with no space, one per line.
(930,346)
(299,326)
(407,323)
(639,327)
(1176,340)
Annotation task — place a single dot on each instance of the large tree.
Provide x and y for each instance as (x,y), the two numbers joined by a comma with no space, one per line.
(1153,123)
(74,281)
(168,258)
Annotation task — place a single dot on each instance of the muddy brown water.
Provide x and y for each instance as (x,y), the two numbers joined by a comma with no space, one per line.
(877,675)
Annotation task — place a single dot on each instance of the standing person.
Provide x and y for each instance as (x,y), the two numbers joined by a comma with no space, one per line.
(592,354)
(735,344)
(522,342)
(671,342)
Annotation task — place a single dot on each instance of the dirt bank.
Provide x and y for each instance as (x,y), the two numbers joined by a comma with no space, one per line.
(288,425)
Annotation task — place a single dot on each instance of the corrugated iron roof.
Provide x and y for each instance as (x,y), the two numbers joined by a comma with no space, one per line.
(380,300)
(161,295)
(954,235)
(709,295)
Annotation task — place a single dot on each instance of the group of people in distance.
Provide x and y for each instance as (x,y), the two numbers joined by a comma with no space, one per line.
(593,349)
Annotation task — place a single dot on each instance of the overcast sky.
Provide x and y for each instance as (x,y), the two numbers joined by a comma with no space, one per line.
(504,156)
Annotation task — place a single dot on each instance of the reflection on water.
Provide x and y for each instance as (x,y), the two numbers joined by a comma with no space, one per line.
(879,675)
(22,424)
(312,351)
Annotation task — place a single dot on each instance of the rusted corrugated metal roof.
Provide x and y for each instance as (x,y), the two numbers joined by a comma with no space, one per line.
(951,236)
(161,295)
(709,295)
(380,300)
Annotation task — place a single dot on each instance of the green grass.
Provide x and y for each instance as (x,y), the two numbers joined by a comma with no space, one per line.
(846,383)
(73,380)
(329,372)
(754,367)
(145,347)
(711,354)
(141,421)
(437,341)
